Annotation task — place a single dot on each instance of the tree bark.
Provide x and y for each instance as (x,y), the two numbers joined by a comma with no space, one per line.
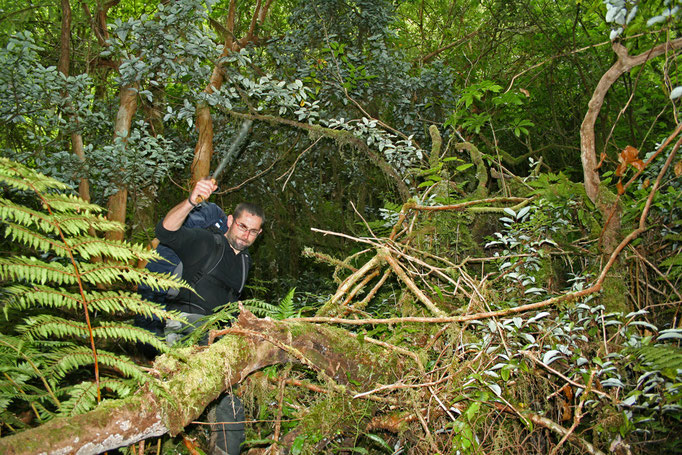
(606,205)
(203,152)
(116,204)
(63,67)
(194,377)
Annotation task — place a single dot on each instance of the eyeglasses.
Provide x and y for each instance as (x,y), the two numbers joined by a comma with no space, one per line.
(244,229)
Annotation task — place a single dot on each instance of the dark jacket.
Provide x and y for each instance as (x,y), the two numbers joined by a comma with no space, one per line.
(222,283)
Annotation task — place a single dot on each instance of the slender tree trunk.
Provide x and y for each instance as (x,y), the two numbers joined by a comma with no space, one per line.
(203,152)
(63,67)
(117,202)
(604,199)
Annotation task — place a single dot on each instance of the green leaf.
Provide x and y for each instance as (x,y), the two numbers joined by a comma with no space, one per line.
(379,440)
(297,445)
(472,410)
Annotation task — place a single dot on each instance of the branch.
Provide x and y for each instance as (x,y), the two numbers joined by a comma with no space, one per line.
(196,376)
(624,64)
(430,56)
(341,137)
(395,265)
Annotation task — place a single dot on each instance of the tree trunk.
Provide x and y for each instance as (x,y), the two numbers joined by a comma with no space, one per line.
(63,67)
(203,152)
(604,199)
(124,119)
(194,377)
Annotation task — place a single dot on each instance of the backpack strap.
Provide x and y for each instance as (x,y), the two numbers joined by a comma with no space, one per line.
(244,271)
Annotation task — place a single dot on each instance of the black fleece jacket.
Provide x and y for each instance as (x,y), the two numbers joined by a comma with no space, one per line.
(222,283)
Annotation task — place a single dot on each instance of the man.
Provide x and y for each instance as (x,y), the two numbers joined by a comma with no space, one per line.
(220,284)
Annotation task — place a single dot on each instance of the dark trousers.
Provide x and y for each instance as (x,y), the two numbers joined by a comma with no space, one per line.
(227,431)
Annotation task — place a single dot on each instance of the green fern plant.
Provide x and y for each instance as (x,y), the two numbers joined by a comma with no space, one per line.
(226,314)
(286,308)
(68,300)
(660,357)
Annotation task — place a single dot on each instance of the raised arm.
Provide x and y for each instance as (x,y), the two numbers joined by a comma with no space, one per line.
(177,215)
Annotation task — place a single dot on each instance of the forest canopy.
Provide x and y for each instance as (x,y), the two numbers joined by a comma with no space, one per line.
(472,239)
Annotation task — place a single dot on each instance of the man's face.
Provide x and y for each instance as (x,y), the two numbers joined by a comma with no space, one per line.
(243,231)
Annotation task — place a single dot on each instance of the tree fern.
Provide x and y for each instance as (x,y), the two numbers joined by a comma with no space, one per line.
(66,273)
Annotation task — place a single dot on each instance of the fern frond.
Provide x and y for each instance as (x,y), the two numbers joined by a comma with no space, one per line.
(83,397)
(11,420)
(72,204)
(260,308)
(20,362)
(81,356)
(50,349)
(34,270)
(32,239)
(47,326)
(19,215)
(131,334)
(89,247)
(221,316)
(109,302)
(286,309)
(23,178)
(82,247)
(661,357)
(108,274)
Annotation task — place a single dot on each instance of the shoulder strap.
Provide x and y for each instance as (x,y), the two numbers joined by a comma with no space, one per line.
(212,262)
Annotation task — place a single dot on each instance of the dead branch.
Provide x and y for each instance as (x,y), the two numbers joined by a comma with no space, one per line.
(386,256)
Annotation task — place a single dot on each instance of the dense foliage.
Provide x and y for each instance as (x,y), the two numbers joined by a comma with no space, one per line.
(415,160)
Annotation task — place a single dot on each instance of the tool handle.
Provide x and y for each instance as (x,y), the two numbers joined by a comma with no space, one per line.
(201,199)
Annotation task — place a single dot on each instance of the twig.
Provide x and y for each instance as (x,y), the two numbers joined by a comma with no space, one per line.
(291,170)
(393,347)
(464,205)
(555,427)
(562,376)
(358,288)
(658,272)
(400,385)
(386,255)
(280,402)
(370,295)
(354,278)
(440,403)
(425,426)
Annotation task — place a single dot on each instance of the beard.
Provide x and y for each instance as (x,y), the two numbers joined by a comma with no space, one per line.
(237,244)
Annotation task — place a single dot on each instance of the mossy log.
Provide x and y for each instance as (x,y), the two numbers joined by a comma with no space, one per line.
(190,379)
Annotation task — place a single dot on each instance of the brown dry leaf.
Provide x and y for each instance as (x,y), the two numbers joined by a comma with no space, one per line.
(525,92)
(620,170)
(678,169)
(629,156)
(619,187)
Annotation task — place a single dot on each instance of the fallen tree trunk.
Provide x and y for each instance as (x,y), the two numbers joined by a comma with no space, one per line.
(192,378)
